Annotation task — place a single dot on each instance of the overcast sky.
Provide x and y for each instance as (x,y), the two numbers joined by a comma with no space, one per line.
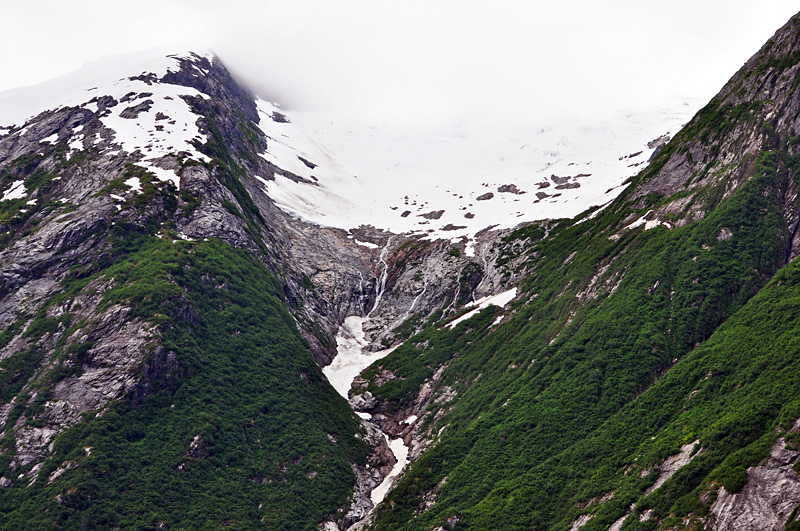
(417,60)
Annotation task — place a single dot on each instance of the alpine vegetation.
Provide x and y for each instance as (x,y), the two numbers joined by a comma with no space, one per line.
(216,313)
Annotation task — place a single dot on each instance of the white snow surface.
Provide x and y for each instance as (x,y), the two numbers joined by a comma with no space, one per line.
(361,173)
(501,299)
(366,244)
(17,191)
(365,174)
(77,88)
(351,358)
(400,451)
(111,76)
(134,183)
(648,224)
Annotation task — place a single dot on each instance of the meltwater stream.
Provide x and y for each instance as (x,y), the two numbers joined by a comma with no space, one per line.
(350,360)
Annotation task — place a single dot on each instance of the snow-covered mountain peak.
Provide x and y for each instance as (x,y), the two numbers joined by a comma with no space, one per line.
(141,112)
(109,75)
(447,181)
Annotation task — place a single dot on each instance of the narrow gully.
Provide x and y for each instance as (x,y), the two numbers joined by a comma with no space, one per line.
(352,358)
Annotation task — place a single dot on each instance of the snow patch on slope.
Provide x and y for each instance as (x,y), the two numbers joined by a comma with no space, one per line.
(501,299)
(163,125)
(648,224)
(17,191)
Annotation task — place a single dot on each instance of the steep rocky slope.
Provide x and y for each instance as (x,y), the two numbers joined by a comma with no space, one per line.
(135,230)
(645,377)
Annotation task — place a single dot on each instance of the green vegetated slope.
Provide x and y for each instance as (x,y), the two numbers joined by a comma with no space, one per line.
(228,423)
(562,368)
(591,383)
(245,434)
(736,394)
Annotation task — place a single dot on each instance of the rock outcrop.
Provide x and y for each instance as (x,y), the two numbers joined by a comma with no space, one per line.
(766,501)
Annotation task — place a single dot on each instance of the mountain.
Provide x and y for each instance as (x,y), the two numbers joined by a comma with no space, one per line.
(645,375)
(199,288)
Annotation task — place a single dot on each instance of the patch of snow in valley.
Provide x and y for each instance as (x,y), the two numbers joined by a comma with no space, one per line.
(400,451)
(351,358)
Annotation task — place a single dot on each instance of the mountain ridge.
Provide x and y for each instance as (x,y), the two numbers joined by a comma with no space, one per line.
(165,321)
(615,300)
(91,319)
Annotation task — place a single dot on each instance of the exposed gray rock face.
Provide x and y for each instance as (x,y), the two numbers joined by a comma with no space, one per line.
(379,464)
(135,110)
(422,277)
(768,498)
(436,214)
(657,143)
(672,464)
(110,366)
(87,354)
(510,189)
(26,299)
(721,144)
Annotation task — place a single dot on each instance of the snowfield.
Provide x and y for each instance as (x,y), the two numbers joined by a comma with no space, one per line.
(455,180)
(449,181)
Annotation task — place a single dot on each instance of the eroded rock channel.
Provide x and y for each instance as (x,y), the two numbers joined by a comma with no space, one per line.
(352,358)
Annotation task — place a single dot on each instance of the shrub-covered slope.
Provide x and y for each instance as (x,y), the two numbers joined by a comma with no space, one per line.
(245,432)
(636,333)
(151,373)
